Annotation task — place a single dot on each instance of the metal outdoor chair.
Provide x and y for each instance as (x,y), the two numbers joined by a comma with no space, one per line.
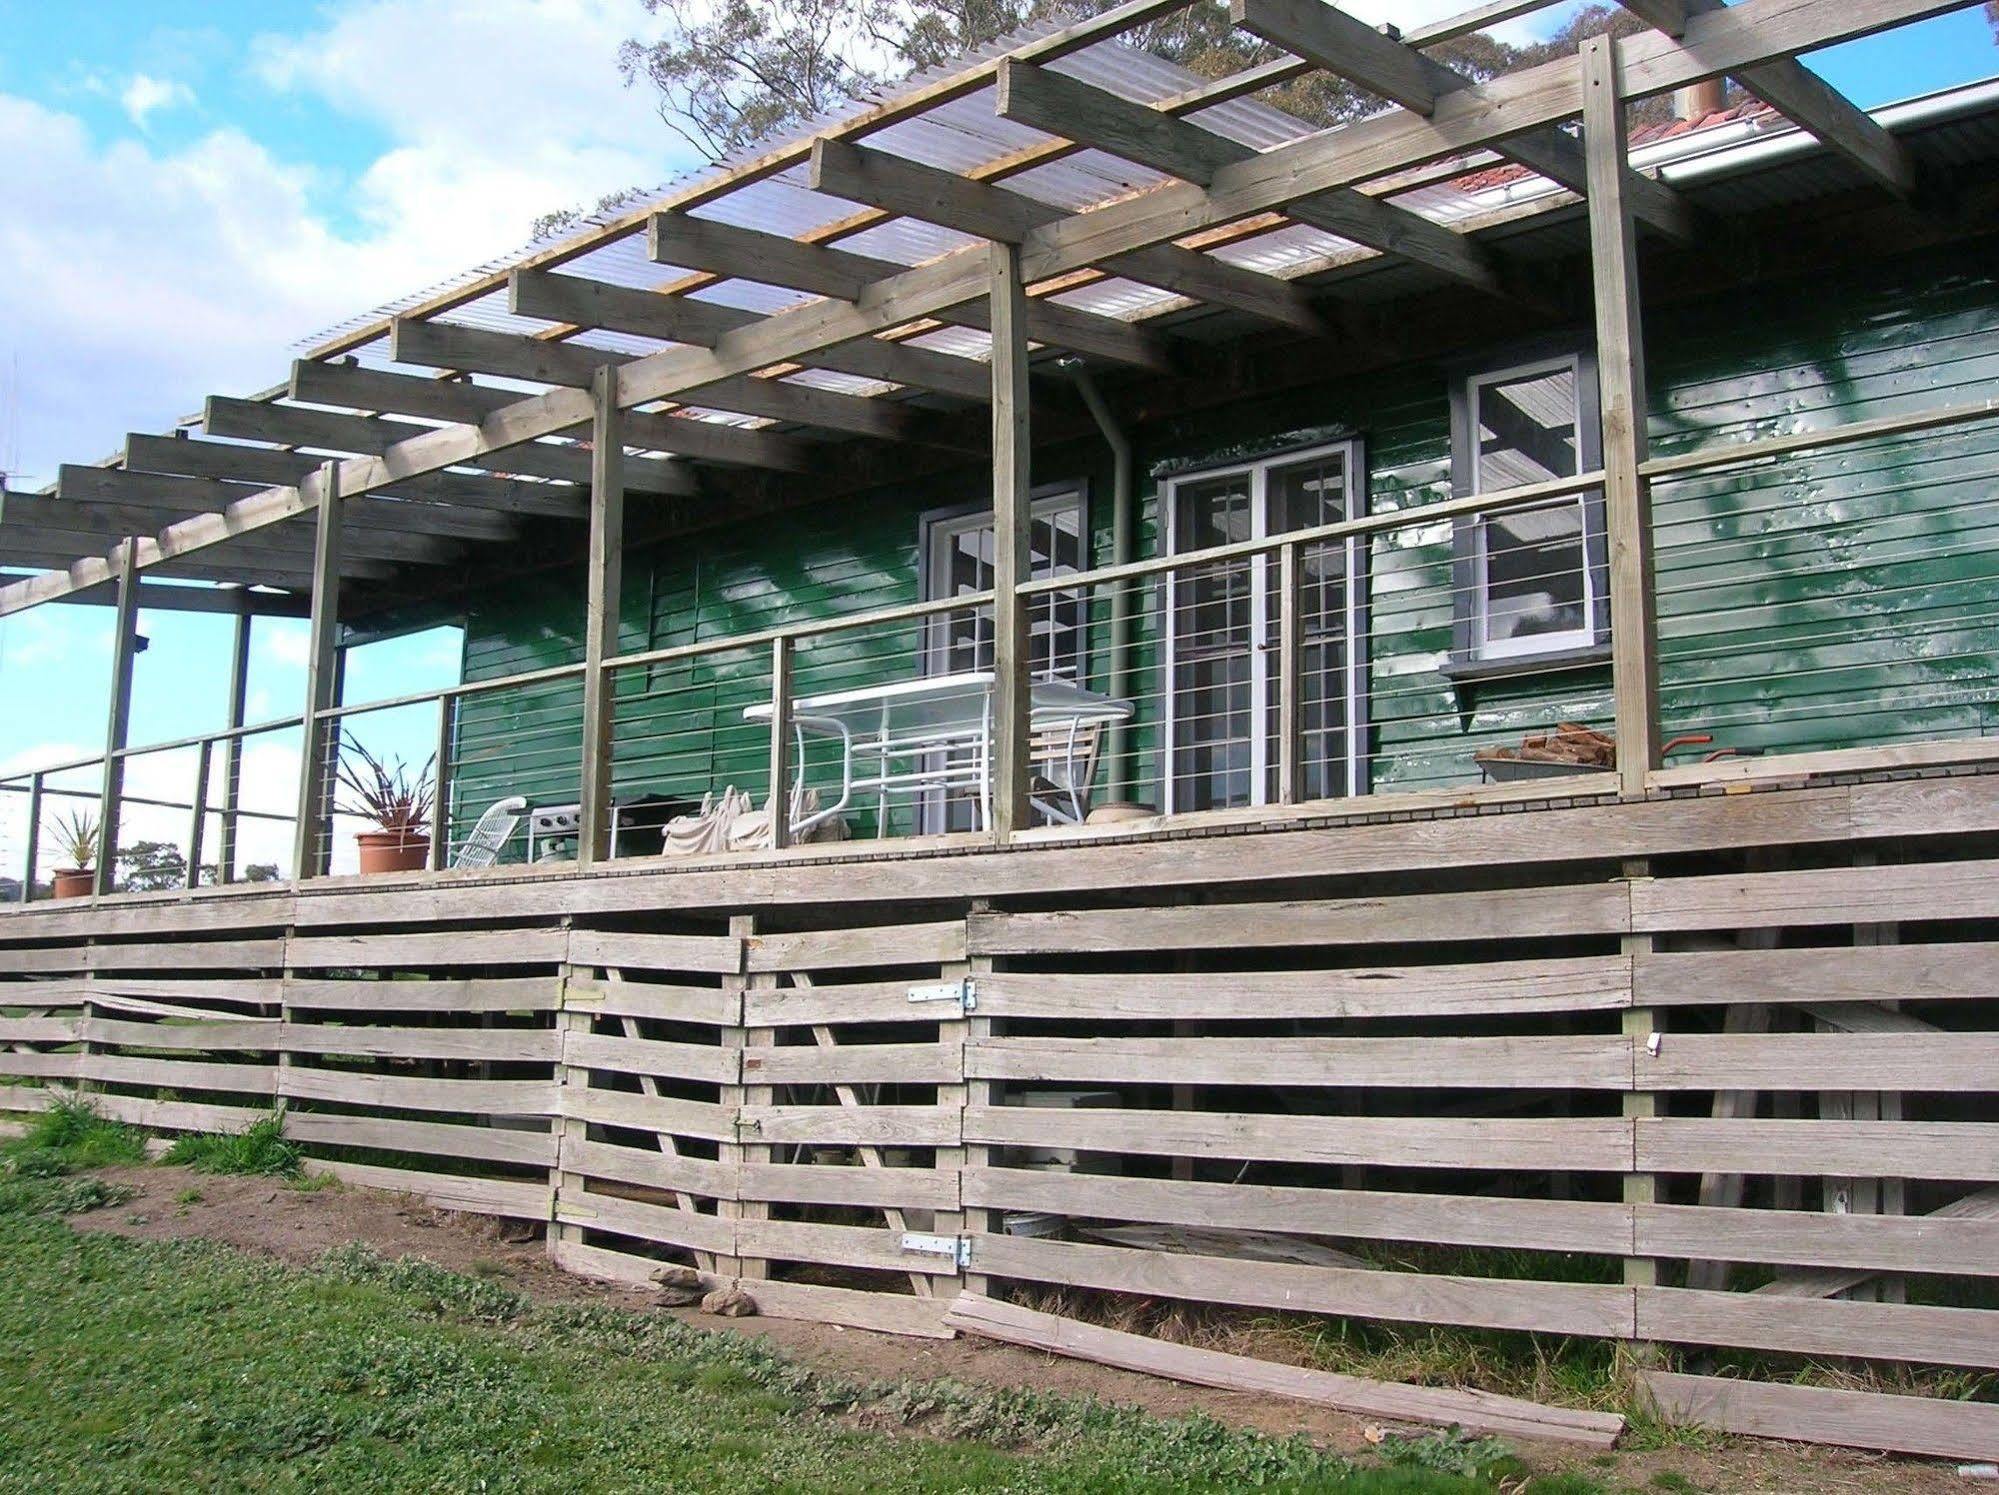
(495,828)
(1063,753)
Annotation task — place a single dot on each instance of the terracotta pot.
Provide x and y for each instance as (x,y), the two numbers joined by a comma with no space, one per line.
(393,851)
(75,882)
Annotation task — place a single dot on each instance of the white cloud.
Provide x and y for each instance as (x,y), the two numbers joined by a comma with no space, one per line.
(285,646)
(145,96)
(142,278)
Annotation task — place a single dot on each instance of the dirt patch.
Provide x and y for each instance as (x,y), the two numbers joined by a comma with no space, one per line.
(268,1217)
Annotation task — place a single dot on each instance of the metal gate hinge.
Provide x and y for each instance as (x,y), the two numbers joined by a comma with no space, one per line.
(957,1247)
(964,991)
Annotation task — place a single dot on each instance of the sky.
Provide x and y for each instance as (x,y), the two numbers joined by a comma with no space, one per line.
(191,188)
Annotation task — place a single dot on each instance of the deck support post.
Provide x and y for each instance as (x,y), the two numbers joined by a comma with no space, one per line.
(33,849)
(322,688)
(741,1155)
(597,836)
(441,771)
(197,820)
(118,720)
(232,754)
(1640,1189)
(1620,353)
(1012,514)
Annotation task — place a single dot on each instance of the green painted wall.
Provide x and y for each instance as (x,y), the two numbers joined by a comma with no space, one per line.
(1825,600)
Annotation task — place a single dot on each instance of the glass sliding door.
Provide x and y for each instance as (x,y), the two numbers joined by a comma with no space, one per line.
(1223,626)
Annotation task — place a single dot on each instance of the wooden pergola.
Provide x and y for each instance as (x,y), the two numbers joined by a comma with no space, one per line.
(355,472)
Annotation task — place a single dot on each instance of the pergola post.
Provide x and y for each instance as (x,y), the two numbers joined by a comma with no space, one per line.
(596,837)
(1620,353)
(1012,511)
(118,722)
(322,669)
(232,753)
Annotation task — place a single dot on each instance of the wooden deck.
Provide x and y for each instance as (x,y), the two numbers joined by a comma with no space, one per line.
(1710,1068)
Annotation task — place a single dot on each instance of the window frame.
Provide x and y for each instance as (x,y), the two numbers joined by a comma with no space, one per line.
(1472,655)
(1356,673)
(933,523)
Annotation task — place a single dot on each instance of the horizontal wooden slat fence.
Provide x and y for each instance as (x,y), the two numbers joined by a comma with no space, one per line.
(1397,1097)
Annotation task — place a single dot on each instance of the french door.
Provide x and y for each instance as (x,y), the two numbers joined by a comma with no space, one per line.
(1223,622)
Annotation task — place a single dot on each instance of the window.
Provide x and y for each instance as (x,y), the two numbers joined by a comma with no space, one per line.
(1530,583)
(1222,632)
(957,561)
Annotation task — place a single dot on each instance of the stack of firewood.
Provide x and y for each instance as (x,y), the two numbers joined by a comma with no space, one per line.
(1570,743)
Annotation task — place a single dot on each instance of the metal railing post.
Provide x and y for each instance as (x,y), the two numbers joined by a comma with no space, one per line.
(780,743)
(1290,679)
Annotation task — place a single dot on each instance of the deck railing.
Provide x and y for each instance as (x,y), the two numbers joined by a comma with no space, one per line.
(1866,609)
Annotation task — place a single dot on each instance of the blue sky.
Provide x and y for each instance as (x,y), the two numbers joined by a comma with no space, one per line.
(192,189)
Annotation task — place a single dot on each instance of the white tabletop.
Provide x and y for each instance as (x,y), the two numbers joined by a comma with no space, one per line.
(941,703)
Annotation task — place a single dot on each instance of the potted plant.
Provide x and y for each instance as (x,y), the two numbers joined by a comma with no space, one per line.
(392,798)
(76,839)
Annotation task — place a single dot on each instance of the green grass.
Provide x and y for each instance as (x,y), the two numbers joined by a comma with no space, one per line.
(260,1148)
(71,1136)
(159,1365)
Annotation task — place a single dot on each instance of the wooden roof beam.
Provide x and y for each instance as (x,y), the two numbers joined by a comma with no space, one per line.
(862,174)
(246,562)
(1060,105)
(156,596)
(115,521)
(579,302)
(329,430)
(735,253)
(458,400)
(166,493)
(264,466)
(1804,98)
(450,345)
(1349,48)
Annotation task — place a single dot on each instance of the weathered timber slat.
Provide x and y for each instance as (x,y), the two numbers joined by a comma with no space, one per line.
(1581,1143)
(685,1061)
(442,1139)
(834,949)
(437,994)
(1818,1414)
(1601,1062)
(1821,1326)
(1507,913)
(1578,985)
(1481,1302)
(855,1064)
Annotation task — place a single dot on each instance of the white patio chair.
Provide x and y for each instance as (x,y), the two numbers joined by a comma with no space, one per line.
(1064,753)
(495,828)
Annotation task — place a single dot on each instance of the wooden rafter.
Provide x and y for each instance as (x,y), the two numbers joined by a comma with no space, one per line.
(449,345)
(579,302)
(726,251)
(861,173)
(96,523)
(1061,105)
(1803,97)
(458,400)
(1349,48)
(265,466)
(164,493)
(330,430)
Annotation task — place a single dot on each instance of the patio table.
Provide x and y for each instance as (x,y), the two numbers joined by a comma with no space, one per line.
(934,733)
